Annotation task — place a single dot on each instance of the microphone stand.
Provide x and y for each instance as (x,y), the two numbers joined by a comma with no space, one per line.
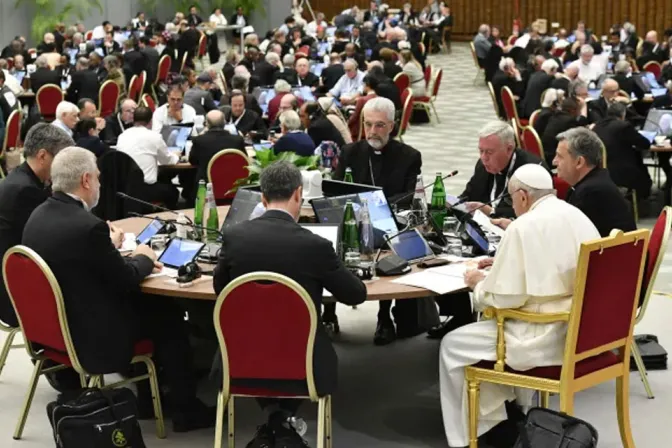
(156,208)
(398,200)
(172,221)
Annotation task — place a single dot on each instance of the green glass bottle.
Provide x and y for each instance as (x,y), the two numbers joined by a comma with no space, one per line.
(437,208)
(200,208)
(350,236)
(348,176)
(213,216)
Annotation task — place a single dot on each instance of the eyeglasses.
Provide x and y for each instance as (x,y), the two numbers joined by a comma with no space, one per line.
(380,125)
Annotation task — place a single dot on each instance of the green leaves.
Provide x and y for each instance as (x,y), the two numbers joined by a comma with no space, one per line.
(47,13)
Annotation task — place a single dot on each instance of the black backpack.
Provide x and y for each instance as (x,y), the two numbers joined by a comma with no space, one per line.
(96,418)
(545,428)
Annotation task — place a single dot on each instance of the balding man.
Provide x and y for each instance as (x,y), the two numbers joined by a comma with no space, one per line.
(117,123)
(652,50)
(304,77)
(210,143)
(597,109)
(482,43)
(350,86)
(562,82)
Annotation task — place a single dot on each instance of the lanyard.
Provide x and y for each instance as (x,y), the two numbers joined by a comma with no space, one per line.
(237,120)
(493,193)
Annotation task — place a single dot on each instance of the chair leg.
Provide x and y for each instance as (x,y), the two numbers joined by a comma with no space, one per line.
(219,423)
(156,398)
(642,369)
(8,344)
(438,120)
(567,403)
(473,388)
(623,410)
(94,381)
(82,380)
(330,438)
(321,418)
(37,370)
(232,423)
(544,396)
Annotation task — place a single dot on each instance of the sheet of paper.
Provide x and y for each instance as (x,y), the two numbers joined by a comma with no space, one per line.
(486,225)
(437,283)
(129,244)
(452,270)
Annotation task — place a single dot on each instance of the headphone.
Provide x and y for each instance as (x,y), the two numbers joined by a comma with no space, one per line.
(189,272)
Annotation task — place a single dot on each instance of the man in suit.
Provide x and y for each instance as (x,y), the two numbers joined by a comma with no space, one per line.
(573,113)
(43,75)
(509,76)
(482,44)
(8,101)
(624,151)
(626,82)
(579,159)
(245,120)
(251,59)
(134,61)
(275,242)
(331,75)
(318,126)
(352,53)
(597,109)
(199,96)
(99,285)
(304,77)
(152,58)
(214,140)
(498,161)
(117,123)
(538,82)
(562,82)
(267,68)
(84,83)
(394,166)
(229,68)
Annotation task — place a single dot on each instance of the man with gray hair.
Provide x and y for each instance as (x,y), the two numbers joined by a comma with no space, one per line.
(43,74)
(509,76)
(533,271)
(578,159)
(499,159)
(67,116)
(539,81)
(381,161)
(106,316)
(350,86)
(590,67)
(84,83)
(274,242)
(293,138)
(482,43)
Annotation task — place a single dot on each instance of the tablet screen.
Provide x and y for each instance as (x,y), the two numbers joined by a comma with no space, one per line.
(477,238)
(180,252)
(411,246)
(148,232)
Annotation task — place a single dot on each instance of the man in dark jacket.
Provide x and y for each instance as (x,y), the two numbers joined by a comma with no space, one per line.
(578,159)
(117,123)
(84,83)
(507,76)
(335,71)
(572,113)
(43,75)
(624,151)
(318,126)
(98,286)
(539,81)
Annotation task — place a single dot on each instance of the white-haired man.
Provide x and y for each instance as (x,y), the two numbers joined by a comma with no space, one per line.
(533,271)
(379,160)
(350,86)
(293,138)
(67,116)
(562,82)
(482,44)
(538,82)
(590,68)
(509,76)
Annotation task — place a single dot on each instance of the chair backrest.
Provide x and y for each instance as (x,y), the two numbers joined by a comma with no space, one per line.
(653,67)
(558,52)
(472,47)
(274,345)
(142,81)
(402,81)
(516,132)
(428,75)
(184,61)
(531,142)
(148,101)
(406,112)
(606,293)
(657,246)
(305,49)
(163,69)
(134,88)
(10,63)
(494,98)
(533,117)
(12,131)
(119,173)
(224,169)
(509,104)
(108,97)
(38,302)
(561,187)
(47,98)
(202,46)
(437,83)
(88,35)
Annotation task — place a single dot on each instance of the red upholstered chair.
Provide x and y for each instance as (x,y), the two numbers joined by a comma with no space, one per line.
(305,50)
(509,104)
(11,140)
(599,332)
(402,81)
(657,246)
(148,102)
(533,117)
(10,63)
(558,52)
(653,67)
(108,97)
(406,113)
(531,142)
(184,61)
(283,350)
(224,169)
(161,75)
(40,307)
(428,75)
(143,81)
(561,187)
(88,36)
(134,88)
(511,40)
(47,98)
(427,102)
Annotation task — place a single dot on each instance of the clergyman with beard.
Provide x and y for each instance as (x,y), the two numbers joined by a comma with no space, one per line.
(383,162)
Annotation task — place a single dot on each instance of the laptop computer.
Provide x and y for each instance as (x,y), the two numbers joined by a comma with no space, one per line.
(659,121)
(176,137)
(180,252)
(411,246)
(244,204)
(153,228)
(329,232)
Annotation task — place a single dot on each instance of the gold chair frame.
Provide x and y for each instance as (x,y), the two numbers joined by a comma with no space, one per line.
(429,106)
(407,104)
(3,150)
(39,358)
(567,386)
(222,153)
(533,118)
(37,95)
(100,96)
(530,129)
(494,98)
(225,399)
(11,334)
(479,69)
(515,106)
(157,80)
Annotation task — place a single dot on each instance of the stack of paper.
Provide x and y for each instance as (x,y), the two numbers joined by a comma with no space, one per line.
(486,225)
(441,280)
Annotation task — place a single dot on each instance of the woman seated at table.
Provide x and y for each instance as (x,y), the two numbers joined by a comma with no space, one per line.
(412,68)
(293,138)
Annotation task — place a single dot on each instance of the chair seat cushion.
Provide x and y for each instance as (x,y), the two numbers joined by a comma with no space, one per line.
(144,347)
(583,368)
(524,121)
(263,392)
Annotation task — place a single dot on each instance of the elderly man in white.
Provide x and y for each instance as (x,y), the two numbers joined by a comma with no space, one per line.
(67,116)
(590,67)
(534,271)
(349,87)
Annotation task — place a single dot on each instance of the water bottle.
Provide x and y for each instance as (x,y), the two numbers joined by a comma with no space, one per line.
(199,209)
(437,208)
(213,216)
(350,236)
(348,175)
(419,205)
(181,226)
(365,233)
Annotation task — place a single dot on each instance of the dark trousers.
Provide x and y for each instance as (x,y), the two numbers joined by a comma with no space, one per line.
(457,305)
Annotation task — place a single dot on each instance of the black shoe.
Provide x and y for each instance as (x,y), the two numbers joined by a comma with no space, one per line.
(287,437)
(196,416)
(263,438)
(385,333)
(331,325)
(445,327)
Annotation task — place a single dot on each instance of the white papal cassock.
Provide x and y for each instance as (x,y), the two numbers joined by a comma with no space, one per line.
(533,271)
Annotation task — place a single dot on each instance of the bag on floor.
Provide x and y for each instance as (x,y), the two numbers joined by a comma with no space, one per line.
(653,354)
(96,418)
(545,428)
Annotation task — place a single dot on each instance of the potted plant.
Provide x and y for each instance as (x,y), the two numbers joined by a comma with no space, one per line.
(47,13)
(266,157)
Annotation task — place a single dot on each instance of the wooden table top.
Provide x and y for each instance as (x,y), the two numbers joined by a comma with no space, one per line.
(202,289)
(666,148)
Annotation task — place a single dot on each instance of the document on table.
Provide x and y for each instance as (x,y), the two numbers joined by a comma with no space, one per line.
(441,280)
(129,244)
(486,225)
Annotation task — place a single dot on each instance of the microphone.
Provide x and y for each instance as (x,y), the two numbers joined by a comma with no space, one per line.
(454,173)
(149,204)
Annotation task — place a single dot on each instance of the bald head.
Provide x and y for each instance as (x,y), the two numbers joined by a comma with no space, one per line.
(652,37)
(288,102)
(572,71)
(215,119)
(610,89)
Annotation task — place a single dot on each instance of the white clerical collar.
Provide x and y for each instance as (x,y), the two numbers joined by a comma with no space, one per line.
(77,198)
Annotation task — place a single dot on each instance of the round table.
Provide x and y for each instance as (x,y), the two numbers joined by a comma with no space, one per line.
(202,289)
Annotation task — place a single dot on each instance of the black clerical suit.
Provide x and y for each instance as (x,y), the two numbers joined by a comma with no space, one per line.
(538,82)
(274,242)
(480,186)
(321,130)
(558,123)
(624,158)
(391,69)
(249,121)
(501,80)
(106,313)
(114,126)
(43,76)
(331,75)
(541,121)
(561,84)
(265,73)
(84,84)
(598,197)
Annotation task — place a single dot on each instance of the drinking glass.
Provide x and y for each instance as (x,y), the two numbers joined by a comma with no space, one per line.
(451,226)
(455,247)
